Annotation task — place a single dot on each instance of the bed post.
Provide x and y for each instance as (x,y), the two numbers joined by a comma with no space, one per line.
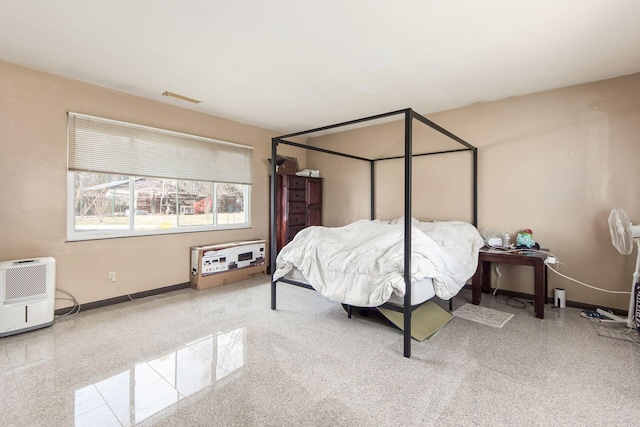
(373,189)
(408,122)
(272,208)
(475,187)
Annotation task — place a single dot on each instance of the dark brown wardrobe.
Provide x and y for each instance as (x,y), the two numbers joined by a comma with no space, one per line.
(299,205)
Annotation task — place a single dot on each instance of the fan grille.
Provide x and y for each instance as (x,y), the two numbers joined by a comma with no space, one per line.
(620,229)
(24,282)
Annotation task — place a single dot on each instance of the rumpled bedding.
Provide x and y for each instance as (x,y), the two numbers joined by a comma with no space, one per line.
(362,263)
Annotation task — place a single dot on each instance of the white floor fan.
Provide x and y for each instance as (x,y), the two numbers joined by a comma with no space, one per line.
(623,236)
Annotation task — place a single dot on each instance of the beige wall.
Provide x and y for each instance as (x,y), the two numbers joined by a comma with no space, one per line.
(555,162)
(434,178)
(33,150)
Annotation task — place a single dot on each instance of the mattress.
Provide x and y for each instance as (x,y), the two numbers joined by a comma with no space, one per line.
(421,291)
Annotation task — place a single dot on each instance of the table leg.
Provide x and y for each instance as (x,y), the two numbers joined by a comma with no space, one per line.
(476,285)
(539,287)
(486,277)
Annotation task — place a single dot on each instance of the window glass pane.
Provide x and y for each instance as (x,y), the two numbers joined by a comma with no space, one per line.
(230,200)
(155,200)
(104,206)
(101,201)
(195,206)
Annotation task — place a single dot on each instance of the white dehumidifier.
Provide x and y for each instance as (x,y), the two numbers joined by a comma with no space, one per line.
(28,294)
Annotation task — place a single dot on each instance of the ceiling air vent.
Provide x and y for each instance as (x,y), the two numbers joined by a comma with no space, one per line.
(180,97)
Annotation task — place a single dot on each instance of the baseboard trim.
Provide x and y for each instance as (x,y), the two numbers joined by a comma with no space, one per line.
(549,300)
(125,298)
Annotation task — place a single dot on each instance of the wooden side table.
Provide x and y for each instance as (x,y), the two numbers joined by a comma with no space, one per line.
(481,281)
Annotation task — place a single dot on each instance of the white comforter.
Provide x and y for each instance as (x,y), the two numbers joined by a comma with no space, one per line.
(362,263)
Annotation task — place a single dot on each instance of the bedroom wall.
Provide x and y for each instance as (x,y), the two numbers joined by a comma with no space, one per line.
(556,162)
(33,159)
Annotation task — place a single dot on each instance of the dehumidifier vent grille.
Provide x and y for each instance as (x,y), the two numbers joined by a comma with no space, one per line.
(26,281)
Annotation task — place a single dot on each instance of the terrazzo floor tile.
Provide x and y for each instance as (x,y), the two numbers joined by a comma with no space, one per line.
(222,357)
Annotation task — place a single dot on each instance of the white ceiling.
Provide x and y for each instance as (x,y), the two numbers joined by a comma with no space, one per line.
(291,65)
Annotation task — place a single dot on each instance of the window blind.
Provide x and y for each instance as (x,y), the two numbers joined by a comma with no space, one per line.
(119,148)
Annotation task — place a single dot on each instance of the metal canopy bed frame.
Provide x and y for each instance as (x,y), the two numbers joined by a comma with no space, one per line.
(409,116)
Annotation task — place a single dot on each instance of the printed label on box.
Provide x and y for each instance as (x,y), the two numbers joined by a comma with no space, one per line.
(217,261)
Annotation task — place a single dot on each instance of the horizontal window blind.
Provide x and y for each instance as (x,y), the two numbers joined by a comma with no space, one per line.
(119,148)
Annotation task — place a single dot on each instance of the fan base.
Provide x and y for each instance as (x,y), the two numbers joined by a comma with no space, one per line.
(612,318)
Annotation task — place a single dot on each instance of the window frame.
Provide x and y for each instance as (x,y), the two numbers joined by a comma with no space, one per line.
(78,235)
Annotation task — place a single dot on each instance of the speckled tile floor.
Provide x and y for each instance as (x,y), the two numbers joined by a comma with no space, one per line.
(222,357)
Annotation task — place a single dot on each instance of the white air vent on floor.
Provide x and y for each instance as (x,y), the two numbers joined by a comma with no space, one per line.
(28,294)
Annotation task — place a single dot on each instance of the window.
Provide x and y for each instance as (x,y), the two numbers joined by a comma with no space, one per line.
(129,180)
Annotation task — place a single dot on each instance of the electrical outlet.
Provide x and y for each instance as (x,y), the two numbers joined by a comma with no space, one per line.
(112,276)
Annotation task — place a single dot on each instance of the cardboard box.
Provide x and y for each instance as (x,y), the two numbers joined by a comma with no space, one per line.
(216,265)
